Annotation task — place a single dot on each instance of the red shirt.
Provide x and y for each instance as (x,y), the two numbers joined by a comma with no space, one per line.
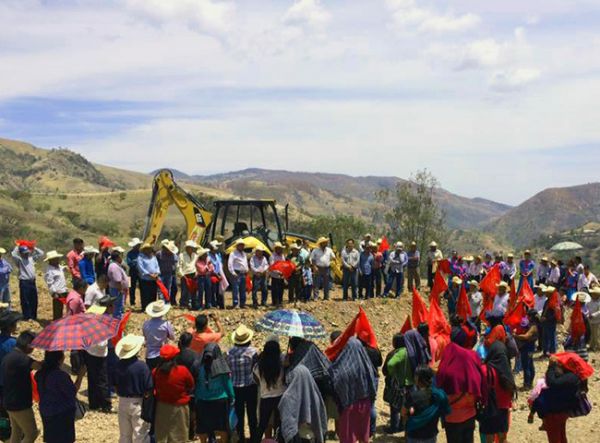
(175,387)
(73,258)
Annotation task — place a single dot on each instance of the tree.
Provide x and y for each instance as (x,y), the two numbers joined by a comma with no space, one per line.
(414,214)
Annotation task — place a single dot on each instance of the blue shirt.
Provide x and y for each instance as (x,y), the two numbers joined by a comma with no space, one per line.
(217,261)
(132,378)
(147,265)
(157,332)
(166,262)
(365,263)
(86,268)
(307,276)
(131,260)
(5,270)
(7,344)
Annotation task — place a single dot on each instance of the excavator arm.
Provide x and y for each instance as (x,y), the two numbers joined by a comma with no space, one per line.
(165,193)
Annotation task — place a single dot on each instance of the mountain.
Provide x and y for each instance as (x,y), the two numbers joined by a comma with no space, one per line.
(550,211)
(323,193)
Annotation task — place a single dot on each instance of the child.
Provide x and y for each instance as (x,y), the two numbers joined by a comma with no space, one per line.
(424,407)
(526,336)
(307,281)
(5,271)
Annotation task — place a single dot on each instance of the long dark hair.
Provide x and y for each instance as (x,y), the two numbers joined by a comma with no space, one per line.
(269,363)
(166,365)
(52,361)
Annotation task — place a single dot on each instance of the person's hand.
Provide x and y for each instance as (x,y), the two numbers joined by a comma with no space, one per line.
(213,316)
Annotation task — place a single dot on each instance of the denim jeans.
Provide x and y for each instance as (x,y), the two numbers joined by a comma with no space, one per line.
(394,277)
(119,302)
(277,291)
(322,281)
(29,299)
(549,346)
(5,294)
(527,364)
(185,301)
(204,292)
(259,283)
(238,287)
(373,424)
(350,280)
(366,283)
(377,281)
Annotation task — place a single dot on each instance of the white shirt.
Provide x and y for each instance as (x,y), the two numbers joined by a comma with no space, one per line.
(585,282)
(275,257)
(554,277)
(475,300)
(99,349)
(594,310)
(539,302)
(501,302)
(509,269)
(322,258)
(475,269)
(187,264)
(92,294)
(238,262)
(259,265)
(543,271)
(55,279)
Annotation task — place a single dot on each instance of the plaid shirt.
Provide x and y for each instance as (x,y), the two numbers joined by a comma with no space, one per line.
(241,360)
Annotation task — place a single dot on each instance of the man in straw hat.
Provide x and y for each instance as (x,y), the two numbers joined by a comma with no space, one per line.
(554,276)
(157,331)
(25,260)
(186,270)
(501,299)
(434,255)
(277,281)
(526,269)
(365,272)
(149,272)
(5,271)
(397,262)
(131,261)
(216,257)
(350,258)
(238,268)
(543,271)
(321,258)
(242,358)
(167,258)
(259,265)
(594,317)
(508,269)
(412,267)
(56,282)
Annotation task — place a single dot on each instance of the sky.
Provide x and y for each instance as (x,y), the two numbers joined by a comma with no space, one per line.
(498,99)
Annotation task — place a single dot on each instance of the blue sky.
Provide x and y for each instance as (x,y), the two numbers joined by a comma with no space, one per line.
(499,99)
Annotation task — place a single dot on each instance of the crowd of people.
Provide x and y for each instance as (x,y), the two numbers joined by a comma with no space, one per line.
(188,387)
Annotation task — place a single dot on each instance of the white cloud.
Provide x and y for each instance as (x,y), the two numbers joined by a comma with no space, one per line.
(407,14)
(513,79)
(309,13)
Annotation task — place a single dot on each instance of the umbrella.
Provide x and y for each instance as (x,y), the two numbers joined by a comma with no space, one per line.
(291,323)
(566,246)
(75,332)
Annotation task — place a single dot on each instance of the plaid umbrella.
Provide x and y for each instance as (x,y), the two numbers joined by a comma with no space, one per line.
(75,332)
(291,323)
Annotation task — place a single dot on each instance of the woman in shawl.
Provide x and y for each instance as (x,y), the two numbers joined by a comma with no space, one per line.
(214,395)
(302,408)
(354,382)
(423,408)
(416,348)
(398,376)
(301,351)
(500,390)
(566,382)
(460,376)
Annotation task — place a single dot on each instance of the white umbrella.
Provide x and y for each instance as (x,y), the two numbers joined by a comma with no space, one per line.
(566,246)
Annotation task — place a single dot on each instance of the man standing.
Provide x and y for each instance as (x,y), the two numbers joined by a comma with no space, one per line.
(526,268)
(295,280)
(25,260)
(365,273)
(238,268)
(508,269)
(167,263)
(475,269)
(377,268)
(554,276)
(586,279)
(217,260)
(57,284)
(259,265)
(277,281)
(149,272)
(5,271)
(412,267)
(502,298)
(131,260)
(118,283)
(73,257)
(186,269)
(350,258)
(434,255)
(543,271)
(398,261)
(321,258)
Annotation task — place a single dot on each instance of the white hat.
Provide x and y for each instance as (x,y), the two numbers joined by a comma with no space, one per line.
(118,249)
(96,309)
(277,244)
(322,240)
(259,248)
(157,308)
(202,251)
(165,241)
(170,245)
(399,245)
(549,290)
(52,254)
(595,290)
(2,251)
(468,258)
(239,241)
(503,284)
(215,244)
(191,244)
(457,280)
(90,250)
(134,242)
(129,346)
(433,244)
(583,297)
(474,283)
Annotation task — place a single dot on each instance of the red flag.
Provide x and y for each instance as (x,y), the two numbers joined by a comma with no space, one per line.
(575,364)
(419,309)
(359,326)
(191,283)
(438,325)
(487,306)
(444,266)
(526,294)
(512,299)
(121,329)
(406,326)
(489,284)
(440,285)
(463,307)
(577,328)
(513,317)
(286,267)
(163,290)
(554,304)
(384,246)
(249,284)
(63,300)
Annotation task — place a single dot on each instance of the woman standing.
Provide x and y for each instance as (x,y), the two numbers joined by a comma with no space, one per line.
(355,385)
(214,395)
(57,399)
(173,384)
(398,376)
(269,374)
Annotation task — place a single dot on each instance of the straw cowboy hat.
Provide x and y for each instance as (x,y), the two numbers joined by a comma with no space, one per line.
(474,283)
(51,255)
(239,241)
(549,290)
(191,244)
(118,249)
(259,248)
(2,251)
(202,251)
(215,244)
(583,297)
(147,246)
(457,280)
(277,244)
(134,242)
(595,290)
(433,244)
(510,255)
(129,346)
(90,250)
(542,287)
(503,284)
(172,247)
(242,335)
(322,240)
(399,245)
(468,258)
(157,308)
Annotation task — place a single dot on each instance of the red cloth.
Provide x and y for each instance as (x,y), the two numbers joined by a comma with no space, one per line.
(575,364)
(249,284)
(359,326)
(460,372)
(191,284)
(497,333)
(445,266)
(440,285)
(35,394)
(385,245)
(122,326)
(463,307)
(577,328)
(513,318)
(526,294)
(406,326)
(438,325)
(512,300)
(487,306)
(27,243)
(169,352)
(503,397)
(286,267)
(489,284)
(105,242)
(555,425)
(173,387)
(419,309)
(554,304)
(163,289)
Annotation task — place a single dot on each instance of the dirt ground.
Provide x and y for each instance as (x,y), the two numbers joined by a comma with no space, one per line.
(387,317)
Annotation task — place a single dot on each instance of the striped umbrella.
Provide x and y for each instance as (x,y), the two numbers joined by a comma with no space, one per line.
(76,332)
(291,323)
